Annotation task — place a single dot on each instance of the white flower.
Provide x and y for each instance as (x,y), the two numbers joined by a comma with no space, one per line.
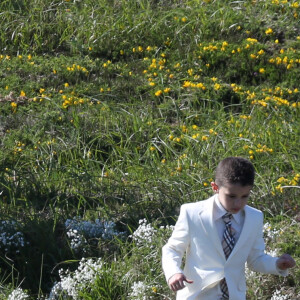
(249,273)
(278,296)
(270,233)
(72,282)
(139,291)
(10,237)
(17,294)
(81,232)
(273,253)
(144,233)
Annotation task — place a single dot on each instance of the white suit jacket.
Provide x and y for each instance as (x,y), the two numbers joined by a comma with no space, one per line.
(196,235)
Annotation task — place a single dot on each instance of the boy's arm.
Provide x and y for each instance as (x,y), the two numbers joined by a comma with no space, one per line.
(259,261)
(176,246)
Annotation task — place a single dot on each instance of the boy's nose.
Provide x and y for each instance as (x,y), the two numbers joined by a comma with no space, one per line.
(237,203)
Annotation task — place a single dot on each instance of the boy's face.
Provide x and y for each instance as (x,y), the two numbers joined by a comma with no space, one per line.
(233,197)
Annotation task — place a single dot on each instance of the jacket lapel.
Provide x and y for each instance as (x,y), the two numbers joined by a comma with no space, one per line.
(246,230)
(206,218)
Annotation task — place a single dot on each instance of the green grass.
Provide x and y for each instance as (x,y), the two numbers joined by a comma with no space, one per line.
(121,110)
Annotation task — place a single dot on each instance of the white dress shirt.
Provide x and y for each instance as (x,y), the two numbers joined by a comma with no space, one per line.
(237,221)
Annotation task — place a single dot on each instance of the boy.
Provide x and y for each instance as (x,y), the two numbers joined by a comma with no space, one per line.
(219,236)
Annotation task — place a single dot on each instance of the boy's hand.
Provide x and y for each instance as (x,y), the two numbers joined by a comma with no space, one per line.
(285,261)
(176,282)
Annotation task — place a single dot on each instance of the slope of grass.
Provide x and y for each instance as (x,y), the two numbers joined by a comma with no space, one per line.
(120,111)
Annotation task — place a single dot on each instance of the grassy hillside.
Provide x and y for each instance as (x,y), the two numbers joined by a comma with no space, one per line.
(114,113)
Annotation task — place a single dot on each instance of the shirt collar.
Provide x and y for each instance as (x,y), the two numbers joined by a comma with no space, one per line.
(219,211)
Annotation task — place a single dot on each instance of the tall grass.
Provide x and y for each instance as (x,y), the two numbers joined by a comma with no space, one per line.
(120,111)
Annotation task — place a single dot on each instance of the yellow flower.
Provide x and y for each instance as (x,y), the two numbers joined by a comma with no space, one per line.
(252,40)
(66,85)
(187,84)
(269,31)
(217,86)
(152,148)
(158,93)
(279,188)
(22,94)
(167,90)
(261,52)
(262,70)
(184,19)
(224,44)
(190,72)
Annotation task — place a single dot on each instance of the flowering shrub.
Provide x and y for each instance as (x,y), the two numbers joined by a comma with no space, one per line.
(143,235)
(270,232)
(277,295)
(140,291)
(128,115)
(10,237)
(83,233)
(18,294)
(71,283)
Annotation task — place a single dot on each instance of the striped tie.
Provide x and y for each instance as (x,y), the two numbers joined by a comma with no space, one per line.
(227,244)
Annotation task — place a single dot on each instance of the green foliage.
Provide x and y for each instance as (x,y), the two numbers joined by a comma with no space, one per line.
(120,110)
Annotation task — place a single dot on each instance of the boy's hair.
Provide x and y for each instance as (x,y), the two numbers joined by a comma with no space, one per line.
(235,170)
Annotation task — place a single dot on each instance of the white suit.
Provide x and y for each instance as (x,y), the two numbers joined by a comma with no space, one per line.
(195,233)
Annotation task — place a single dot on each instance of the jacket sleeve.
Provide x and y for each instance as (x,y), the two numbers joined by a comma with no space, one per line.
(258,260)
(173,251)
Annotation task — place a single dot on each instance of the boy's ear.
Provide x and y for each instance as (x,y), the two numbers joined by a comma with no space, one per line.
(214,187)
